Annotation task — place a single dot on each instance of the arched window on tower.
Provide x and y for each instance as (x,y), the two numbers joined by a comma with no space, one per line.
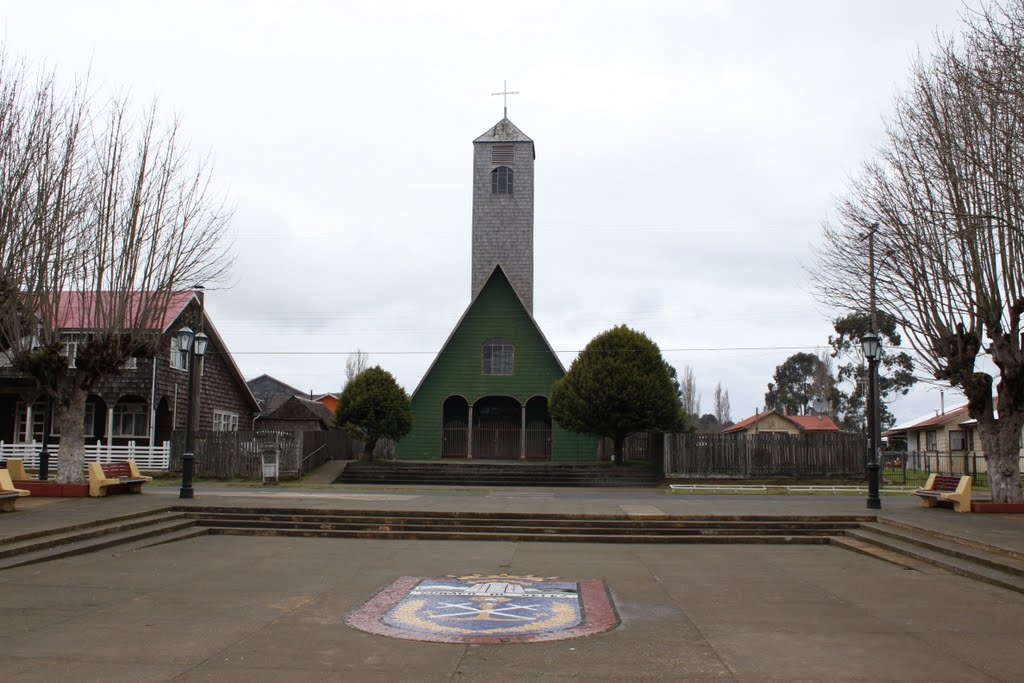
(498,357)
(501,180)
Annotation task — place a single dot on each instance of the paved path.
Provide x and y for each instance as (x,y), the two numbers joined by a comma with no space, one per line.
(223,608)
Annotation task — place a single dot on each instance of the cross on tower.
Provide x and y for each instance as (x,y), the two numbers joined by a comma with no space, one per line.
(505,92)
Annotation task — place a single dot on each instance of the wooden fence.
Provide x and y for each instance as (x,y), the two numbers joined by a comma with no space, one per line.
(842,454)
(238,455)
(639,447)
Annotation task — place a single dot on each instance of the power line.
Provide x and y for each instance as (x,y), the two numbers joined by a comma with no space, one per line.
(694,349)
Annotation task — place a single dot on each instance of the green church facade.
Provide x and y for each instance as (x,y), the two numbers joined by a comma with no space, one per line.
(508,412)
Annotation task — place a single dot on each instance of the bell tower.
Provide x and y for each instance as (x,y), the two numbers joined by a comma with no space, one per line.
(503,208)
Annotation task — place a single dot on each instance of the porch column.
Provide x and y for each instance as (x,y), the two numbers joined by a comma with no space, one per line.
(110,430)
(469,434)
(29,435)
(522,435)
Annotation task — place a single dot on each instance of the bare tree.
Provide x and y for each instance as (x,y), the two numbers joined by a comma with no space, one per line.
(355,364)
(688,396)
(946,191)
(722,409)
(103,218)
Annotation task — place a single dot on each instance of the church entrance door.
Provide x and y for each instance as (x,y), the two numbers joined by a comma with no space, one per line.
(538,429)
(455,428)
(497,428)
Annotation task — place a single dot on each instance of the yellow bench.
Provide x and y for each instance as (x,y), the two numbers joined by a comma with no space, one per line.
(8,494)
(115,476)
(955,489)
(16,468)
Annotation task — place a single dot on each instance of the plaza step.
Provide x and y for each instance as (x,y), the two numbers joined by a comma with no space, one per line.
(17,551)
(516,527)
(449,473)
(913,546)
(525,537)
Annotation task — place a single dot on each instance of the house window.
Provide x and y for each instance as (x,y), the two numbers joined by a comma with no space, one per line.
(131,419)
(958,440)
(498,357)
(225,422)
(931,442)
(179,357)
(501,180)
(25,433)
(503,154)
(69,346)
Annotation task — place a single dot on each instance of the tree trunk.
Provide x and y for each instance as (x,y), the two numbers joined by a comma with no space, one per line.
(71,415)
(1001,441)
(617,455)
(368,447)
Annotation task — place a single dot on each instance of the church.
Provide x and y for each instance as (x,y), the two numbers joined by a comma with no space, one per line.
(485,396)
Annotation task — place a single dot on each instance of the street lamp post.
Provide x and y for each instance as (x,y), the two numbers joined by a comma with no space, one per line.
(193,345)
(872,347)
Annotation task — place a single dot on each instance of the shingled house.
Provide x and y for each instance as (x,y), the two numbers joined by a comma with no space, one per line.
(146,402)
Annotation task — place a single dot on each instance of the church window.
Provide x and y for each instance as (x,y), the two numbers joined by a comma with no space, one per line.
(503,154)
(501,180)
(498,357)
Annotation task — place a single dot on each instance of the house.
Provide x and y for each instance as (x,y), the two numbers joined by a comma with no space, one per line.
(297,414)
(147,401)
(778,423)
(330,400)
(947,432)
(271,392)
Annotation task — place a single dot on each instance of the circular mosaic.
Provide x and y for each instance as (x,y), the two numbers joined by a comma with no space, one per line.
(487,609)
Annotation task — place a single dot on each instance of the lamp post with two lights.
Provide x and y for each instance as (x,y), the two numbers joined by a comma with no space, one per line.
(193,346)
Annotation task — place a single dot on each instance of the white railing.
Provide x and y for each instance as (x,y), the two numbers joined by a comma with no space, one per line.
(146,457)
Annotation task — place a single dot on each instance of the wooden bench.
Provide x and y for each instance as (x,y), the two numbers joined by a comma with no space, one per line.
(16,468)
(955,489)
(8,494)
(115,476)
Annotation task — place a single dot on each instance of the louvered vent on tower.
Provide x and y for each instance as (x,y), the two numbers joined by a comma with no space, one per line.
(503,154)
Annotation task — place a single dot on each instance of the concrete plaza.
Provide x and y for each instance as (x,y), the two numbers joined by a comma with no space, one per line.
(230,608)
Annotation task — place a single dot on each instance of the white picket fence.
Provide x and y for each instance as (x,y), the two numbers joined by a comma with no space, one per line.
(146,457)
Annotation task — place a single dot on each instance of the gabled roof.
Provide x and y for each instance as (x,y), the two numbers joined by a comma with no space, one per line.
(497,269)
(503,131)
(299,408)
(84,310)
(805,423)
(285,388)
(958,414)
(211,330)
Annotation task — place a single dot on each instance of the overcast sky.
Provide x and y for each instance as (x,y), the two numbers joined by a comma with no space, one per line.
(687,154)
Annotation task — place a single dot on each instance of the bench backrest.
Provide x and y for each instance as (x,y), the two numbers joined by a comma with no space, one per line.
(943,483)
(116,469)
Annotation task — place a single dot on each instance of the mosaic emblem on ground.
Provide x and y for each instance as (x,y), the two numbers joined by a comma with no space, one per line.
(487,609)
